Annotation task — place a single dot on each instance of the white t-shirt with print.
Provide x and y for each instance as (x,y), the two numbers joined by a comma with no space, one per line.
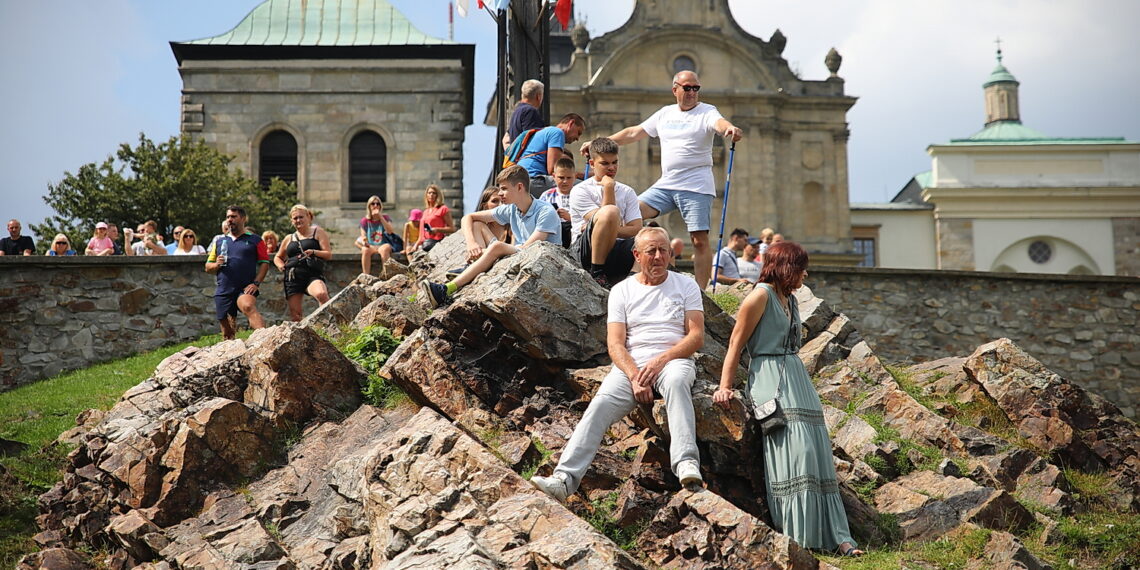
(586,196)
(686,146)
(654,315)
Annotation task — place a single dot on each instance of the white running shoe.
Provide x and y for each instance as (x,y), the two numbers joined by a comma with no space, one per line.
(689,472)
(554,486)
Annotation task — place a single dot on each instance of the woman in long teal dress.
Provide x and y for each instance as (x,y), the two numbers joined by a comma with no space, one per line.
(803,493)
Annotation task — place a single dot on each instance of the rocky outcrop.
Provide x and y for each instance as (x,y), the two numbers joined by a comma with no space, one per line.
(260,453)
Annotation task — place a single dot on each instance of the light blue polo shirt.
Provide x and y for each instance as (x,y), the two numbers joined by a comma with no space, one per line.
(540,217)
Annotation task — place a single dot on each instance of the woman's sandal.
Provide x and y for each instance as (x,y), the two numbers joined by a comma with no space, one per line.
(850,550)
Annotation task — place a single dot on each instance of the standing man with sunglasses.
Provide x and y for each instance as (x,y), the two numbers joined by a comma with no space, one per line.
(686,131)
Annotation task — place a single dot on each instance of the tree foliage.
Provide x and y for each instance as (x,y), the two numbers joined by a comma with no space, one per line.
(180,182)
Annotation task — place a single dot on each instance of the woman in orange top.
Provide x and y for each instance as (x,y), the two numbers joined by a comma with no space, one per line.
(437,221)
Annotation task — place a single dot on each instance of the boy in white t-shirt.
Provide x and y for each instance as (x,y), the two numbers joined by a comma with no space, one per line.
(604,215)
(686,131)
(655,324)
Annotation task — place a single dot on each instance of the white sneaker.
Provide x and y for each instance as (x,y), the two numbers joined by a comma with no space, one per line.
(554,486)
(689,472)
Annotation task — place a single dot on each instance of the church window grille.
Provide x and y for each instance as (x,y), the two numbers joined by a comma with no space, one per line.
(367,167)
(866,248)
(278,158)
(683,63)
(1040,252)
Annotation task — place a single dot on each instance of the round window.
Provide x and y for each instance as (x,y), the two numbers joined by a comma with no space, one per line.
(684,63)
(1040,252)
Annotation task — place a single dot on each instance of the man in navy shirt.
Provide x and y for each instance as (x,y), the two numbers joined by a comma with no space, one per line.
(526,115)
(240,261)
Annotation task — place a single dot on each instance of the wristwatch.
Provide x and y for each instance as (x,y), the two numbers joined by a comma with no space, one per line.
(258,283)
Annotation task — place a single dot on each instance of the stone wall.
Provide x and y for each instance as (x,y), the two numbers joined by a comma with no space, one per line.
(1084,328)
(63,314)
(1126,245)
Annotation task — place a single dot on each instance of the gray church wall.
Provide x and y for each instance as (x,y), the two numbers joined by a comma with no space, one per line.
(416,106)
(1083,328)
(64,314)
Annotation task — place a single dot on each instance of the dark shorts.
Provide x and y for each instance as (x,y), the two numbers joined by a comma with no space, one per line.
(225,304)
(297,280)
(428,244)
(618,263)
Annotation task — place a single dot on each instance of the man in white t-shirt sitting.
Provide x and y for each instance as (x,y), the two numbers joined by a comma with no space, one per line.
(729,272)
(604,217)
(655,324)
(686,131)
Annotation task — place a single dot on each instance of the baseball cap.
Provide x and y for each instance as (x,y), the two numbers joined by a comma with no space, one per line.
(754,240)
(101,225)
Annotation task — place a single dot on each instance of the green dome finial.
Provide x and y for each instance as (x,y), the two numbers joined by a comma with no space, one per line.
(1000,74)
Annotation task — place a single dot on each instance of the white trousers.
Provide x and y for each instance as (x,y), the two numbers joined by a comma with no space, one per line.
(614,400)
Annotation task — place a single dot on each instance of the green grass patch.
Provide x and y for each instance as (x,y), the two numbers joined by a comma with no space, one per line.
(370,348)
(37,413)
(952,552)
(545,454)
(601,516)
(727,302)
(905,381)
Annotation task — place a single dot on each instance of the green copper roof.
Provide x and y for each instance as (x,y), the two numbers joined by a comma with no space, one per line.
(323,23)
(999,75)
(924,179)
(1015,133)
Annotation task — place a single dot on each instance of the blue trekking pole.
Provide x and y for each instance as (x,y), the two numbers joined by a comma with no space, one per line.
(723,209)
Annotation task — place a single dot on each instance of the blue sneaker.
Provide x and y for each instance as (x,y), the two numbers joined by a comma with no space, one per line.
(453,273)
(435,293)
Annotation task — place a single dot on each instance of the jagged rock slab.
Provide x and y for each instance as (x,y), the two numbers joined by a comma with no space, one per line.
(435,495)
(928,505)
(331,317)
(1079,429)
(702,530)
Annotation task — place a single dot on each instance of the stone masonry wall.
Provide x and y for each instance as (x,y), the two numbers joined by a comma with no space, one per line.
(1083,328)
(1126,245)
(63,314)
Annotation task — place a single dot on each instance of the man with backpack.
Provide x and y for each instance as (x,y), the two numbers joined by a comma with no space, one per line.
(538,150)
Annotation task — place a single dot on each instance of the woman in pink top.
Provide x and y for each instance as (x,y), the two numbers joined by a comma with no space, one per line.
(437,221)
(100,244)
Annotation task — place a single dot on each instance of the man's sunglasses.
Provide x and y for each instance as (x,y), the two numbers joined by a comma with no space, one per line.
(689,88)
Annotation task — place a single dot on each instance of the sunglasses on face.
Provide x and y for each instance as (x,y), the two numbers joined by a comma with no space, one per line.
(60,243)
(689,88)
(187,236)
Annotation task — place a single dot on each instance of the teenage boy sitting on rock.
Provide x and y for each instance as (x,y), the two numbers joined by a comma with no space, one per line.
(604,217)
(655,323)
(531,221)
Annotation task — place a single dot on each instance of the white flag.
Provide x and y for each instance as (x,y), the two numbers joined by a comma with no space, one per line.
(461,7)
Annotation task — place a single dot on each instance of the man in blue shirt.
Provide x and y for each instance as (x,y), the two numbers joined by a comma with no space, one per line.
(531,221)
(545,148)
(240,261)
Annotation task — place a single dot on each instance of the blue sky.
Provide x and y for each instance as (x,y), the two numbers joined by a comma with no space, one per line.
(82,76)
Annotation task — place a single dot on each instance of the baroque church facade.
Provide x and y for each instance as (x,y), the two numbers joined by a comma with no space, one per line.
(790,170)
(1011,199)
(346,98)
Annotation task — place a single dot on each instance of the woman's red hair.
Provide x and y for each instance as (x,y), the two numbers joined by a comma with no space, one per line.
(783,264)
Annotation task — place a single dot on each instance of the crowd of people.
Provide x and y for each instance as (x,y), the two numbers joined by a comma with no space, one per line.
(655,320)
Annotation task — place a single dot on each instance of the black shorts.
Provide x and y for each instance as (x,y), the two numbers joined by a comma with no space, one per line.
(428,244)
(618,263)
(225,305)
(297,280)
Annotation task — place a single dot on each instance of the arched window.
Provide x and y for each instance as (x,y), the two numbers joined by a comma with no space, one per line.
(278,158)
(367,167)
